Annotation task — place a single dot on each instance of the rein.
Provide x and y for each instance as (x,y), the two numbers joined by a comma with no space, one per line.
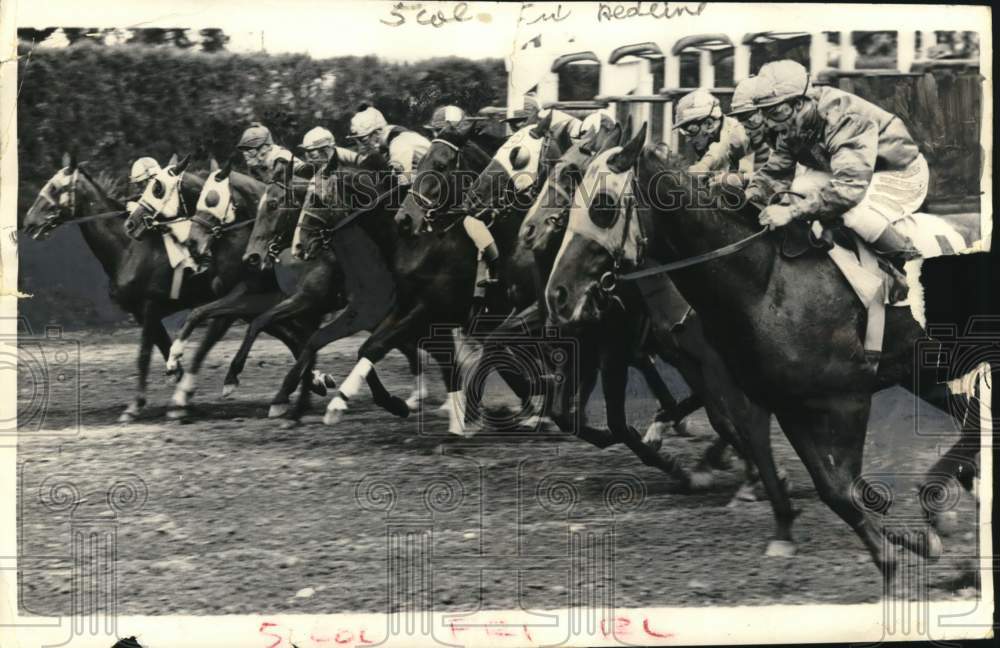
(326,231)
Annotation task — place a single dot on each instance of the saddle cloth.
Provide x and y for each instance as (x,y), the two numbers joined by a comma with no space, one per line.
(932,235)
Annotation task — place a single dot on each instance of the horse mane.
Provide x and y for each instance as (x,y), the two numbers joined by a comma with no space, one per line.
(247,184)
(463,140)
(110,186)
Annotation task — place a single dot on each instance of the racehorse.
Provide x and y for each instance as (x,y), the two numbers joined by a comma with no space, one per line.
(138,271)
(790,331)
(226,206)
(160,205)
(680,338)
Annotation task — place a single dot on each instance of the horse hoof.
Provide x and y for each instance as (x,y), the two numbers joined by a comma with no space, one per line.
(397,407)
(177,413)
(289,424)
(415,402)
(682,428)
(780,549)
(277,410)
(228,390)
(946,523)
(332,417)
(444,410)
(126,417)
(536,422)
(701,480)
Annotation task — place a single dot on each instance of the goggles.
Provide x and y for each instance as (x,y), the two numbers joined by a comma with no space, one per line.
(694,128)
(754,118)
(780,112)
(318,154)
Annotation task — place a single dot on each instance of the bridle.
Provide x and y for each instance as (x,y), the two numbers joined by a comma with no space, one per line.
(149,219)
(426,204)
(324,230)
(608,280)
(496,212)
(216,228)
(66,212)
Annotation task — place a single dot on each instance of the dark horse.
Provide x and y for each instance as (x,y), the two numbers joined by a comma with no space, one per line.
(160,205)
(790,331)
(680,342)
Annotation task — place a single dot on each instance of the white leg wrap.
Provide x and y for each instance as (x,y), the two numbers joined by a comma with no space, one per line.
(184,389)
(478,232)
(337,404)
(176,353)
(418,394)
(352,385)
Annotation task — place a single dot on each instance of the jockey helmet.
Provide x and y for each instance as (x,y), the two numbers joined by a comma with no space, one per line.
(255,136)
(366,121)
(779,82)
(444,115)
(695,106)
(743,96)
(318,137)
(143,169)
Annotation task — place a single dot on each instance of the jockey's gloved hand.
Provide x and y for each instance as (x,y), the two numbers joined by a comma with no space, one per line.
(776,216)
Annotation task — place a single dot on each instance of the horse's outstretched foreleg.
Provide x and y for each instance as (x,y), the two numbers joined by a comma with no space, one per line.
(566,401)
(346,322)
(614,380)
(186,387)
(152,329)
(296,307)
(668,412)
(387,335)
(416,359)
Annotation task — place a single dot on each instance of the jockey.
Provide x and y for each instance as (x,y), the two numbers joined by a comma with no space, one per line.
(752,120)
(265,159)
(319,145)
(374,136)
(872,171)
(720,142)
(143,170)
(524,116)
(444,116)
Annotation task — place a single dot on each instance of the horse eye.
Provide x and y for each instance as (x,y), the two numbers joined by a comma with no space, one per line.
(604,210)
(272,203)
(158,189)
(212,198)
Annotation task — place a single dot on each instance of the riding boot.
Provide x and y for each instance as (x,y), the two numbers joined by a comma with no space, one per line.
(895,248)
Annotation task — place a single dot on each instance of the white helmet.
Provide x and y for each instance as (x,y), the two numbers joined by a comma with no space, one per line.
(444,115)
(318,138)
(143,169)
(781,81)
(367,121)
(696,105)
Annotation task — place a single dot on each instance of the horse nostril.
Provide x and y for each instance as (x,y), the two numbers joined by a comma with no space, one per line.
(251,259)
(561,296)
(529,233)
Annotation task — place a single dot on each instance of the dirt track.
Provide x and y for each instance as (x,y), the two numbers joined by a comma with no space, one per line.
(241,516)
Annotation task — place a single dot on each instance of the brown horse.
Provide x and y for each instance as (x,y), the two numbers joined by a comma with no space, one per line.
(679,342)
(164,202)
(790,331)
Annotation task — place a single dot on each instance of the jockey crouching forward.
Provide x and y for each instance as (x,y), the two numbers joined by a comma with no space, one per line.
(869,170)
(265,160)
(720,142)
(143,170)
(403,150)
(743,110)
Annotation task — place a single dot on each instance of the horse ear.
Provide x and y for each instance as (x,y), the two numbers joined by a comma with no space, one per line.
(625,159)
(542,127)
(565,139)
(213,165)
(179,169)
(610,140)
(627,129)
(173,160)
(225,170)
(69,161)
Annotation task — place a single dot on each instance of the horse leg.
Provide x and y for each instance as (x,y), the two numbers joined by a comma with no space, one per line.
(569,413)
(150,324)
(294,307)
(195,318)
(346,322)
(217,327)
(413,357)
(378,344)
(668,406)
(829,437)
(614,380)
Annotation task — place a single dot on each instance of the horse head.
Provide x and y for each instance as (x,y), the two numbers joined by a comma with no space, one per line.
(277,213)
(216,207)
(55,203)
(161,202)
(542,230)
(440,178)
(603,234)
